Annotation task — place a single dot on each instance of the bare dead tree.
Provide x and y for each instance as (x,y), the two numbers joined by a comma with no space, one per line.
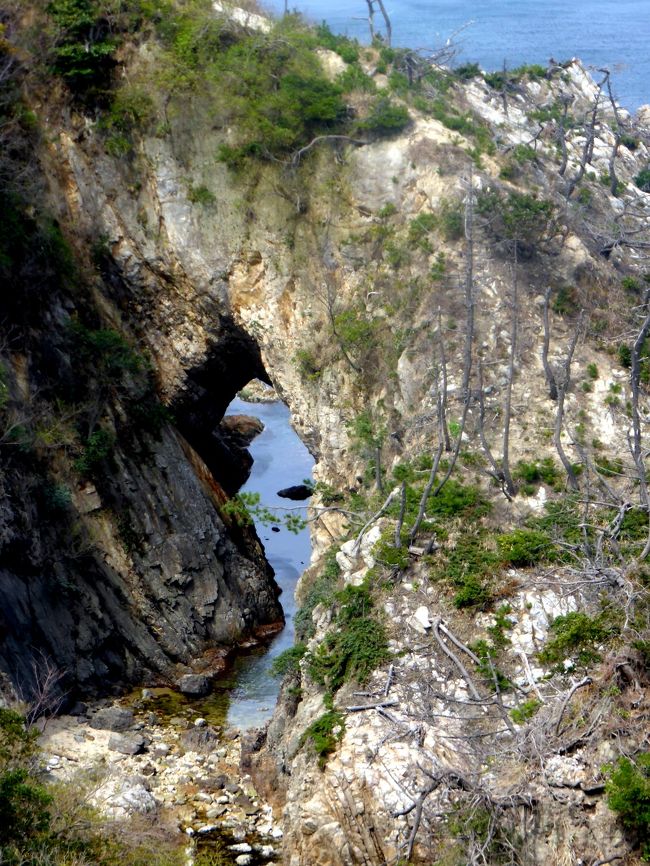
(618,136)
(561,134)
(635,379)
(45,696)
(588,146)
(469,328)
(548,370)
(563,385)
(509,485)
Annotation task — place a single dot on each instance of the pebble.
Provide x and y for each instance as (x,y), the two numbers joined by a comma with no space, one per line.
(243,860)
(241,848)
(200,723)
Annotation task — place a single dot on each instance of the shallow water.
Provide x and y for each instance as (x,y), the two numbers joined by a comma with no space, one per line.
(280,460)
(599,32)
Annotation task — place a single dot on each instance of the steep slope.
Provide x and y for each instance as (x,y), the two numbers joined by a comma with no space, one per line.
(446,283)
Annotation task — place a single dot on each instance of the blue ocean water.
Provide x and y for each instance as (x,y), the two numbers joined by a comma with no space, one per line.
(599,32)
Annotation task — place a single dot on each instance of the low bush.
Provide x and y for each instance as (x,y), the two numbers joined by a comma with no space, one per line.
(324,734)
(356,647)
(385,117)
(642,180)
(288,662)
(628,794)
(576,635)
(523,547)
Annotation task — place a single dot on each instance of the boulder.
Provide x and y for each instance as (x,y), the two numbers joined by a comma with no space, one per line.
(241,429)
(297,492)
(194,685)
(127,744)
(202,740)
(112,719)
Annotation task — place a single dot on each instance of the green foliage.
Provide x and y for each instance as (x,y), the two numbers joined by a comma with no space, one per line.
(492,676)
(355,332)
(56,497)
(385,117)
(83,44)
(607,467)
(467,71)
(97,449)
(321,591)
(468,566)
(592,371)
(525,712)
(324,734)
(632,285)
(356,647)
(200,195)
(523,547)
(575,635)
(347,49)
(523,153)
(642,180)
(288,662)
(537,472)
(307,364)
(105,351)
(624,355)
(131,109)
(387,210)
(521,217)
(628,794)
(420,227)
(457,499)
(24,802)
(354,78)
(451,221)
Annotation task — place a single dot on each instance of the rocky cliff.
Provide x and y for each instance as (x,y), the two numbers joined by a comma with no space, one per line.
(454,305)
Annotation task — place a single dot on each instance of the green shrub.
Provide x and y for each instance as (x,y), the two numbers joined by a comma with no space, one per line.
(98,448)
(608,467)
(385,117)
(523,547)
(83,44)
(288,662)
(628,794)
(200,195)
(592,371)
(321,591)
(642,180)
(308,367)
(536,472)
(346,48)
(524,712)
(420,227)
(456,499)
(631,284)
(624,355)
(324,734)
(467,71)
(575,635)
(356,647)
(24,814)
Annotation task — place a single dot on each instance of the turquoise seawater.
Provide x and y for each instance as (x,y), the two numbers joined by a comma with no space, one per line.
(599,32)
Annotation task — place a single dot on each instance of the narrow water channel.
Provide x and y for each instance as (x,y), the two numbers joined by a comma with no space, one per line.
(280,460)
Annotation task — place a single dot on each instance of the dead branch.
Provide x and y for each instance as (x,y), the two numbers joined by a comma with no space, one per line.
(454,658)
(320,139)
(559,417)
(586,681)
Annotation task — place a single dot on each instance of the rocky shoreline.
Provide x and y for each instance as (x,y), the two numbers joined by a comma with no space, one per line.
(132,759)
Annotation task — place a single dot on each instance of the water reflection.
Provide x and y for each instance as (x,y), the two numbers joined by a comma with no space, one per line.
(280,460)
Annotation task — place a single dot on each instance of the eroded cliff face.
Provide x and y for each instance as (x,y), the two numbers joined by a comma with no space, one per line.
(324,269)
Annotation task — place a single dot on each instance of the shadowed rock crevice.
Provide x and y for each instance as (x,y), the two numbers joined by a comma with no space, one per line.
(210,387)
